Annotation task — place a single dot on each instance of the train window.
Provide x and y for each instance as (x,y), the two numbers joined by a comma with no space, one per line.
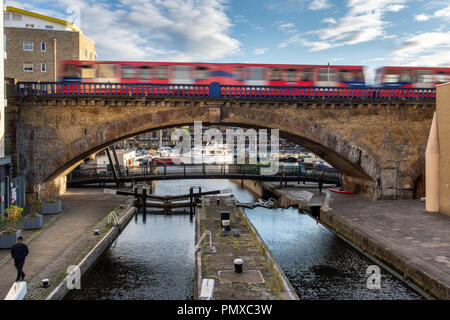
(391,76)
(291,75)
(359,76)
(128,72)
(182,72)
(307,75)
(275,75)
(325,74)
(146,72)
(242,73)
(255,73)
(442,77)
(345,76)
(73,71)
(202,73)
(424,76)
(405,76)
(162,72)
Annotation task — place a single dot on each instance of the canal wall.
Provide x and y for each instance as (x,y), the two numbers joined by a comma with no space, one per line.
(262,277)
(254,187)
(108,235)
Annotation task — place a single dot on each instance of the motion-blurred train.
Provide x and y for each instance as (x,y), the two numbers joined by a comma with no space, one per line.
(248,74)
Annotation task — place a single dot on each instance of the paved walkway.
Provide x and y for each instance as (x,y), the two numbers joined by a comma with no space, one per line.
(83,208)
(421,240)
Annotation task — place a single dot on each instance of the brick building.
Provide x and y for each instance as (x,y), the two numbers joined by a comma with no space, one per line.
(35,45)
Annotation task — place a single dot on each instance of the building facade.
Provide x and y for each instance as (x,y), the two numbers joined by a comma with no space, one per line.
(438,155)
(36,44)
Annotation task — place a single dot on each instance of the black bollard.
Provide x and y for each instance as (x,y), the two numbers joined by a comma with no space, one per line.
(144,200)
(238,265)
(191,200)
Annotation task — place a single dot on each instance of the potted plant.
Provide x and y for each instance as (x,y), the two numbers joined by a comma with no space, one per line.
(52,206)
(8,237)
(34,220)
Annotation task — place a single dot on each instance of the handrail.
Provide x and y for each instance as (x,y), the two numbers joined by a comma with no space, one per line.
(217,90)
(199,242)
(112,217)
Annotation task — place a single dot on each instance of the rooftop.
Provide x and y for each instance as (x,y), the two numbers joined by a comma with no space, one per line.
(68,24)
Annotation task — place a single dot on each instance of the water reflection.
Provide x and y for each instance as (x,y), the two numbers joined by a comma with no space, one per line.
(318,263)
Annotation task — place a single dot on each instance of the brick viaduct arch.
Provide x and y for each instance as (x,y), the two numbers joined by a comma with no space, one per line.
(365,140)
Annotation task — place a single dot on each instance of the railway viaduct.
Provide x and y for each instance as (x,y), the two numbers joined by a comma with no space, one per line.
(377,144)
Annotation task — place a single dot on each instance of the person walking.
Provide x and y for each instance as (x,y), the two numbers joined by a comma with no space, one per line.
(19,252)
(321,183)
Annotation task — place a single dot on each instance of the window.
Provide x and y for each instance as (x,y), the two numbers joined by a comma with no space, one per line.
(85,54)
(43,67)
(16,17)
(405,76)
(48,27)
(255,73)
(307,75)
(275,74)
(391,76)
(43,46)
(8,16)
(28,46)
(29,25)
(291,75)
(90,56)
(202,73)
(162,72)
(28,67)
(128,72)
(146,72)
(442,77)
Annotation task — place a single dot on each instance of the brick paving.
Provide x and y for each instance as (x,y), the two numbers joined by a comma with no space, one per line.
(63,242)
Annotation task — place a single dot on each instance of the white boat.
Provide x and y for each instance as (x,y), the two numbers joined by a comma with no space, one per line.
(212,153)
(164,152)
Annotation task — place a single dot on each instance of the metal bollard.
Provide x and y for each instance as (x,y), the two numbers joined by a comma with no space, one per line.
(238,265)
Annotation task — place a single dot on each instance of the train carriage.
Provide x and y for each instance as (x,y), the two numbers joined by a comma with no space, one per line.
(206,73)
(411,77)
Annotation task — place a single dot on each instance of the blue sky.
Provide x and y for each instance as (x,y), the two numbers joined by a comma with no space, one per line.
(372,33)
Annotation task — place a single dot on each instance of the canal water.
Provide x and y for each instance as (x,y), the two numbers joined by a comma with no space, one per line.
(153,258)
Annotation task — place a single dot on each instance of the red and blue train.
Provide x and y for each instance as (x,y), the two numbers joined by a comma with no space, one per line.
(284,75)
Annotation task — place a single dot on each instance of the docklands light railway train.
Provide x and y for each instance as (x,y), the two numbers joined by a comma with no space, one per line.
(248,74)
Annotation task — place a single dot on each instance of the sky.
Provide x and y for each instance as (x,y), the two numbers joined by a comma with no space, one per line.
(372,33)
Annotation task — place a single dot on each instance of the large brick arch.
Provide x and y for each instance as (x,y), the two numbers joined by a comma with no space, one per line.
(362,140)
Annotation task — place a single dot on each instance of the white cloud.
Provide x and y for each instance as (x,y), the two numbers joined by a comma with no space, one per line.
(260,51)
(442,13)
(395,7)
(287,27)
(422,17)
(329,20)
(424,49)
(319,5)
(363,22)
(183,30)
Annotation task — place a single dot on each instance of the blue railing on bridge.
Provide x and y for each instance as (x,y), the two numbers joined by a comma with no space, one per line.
(216,90)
